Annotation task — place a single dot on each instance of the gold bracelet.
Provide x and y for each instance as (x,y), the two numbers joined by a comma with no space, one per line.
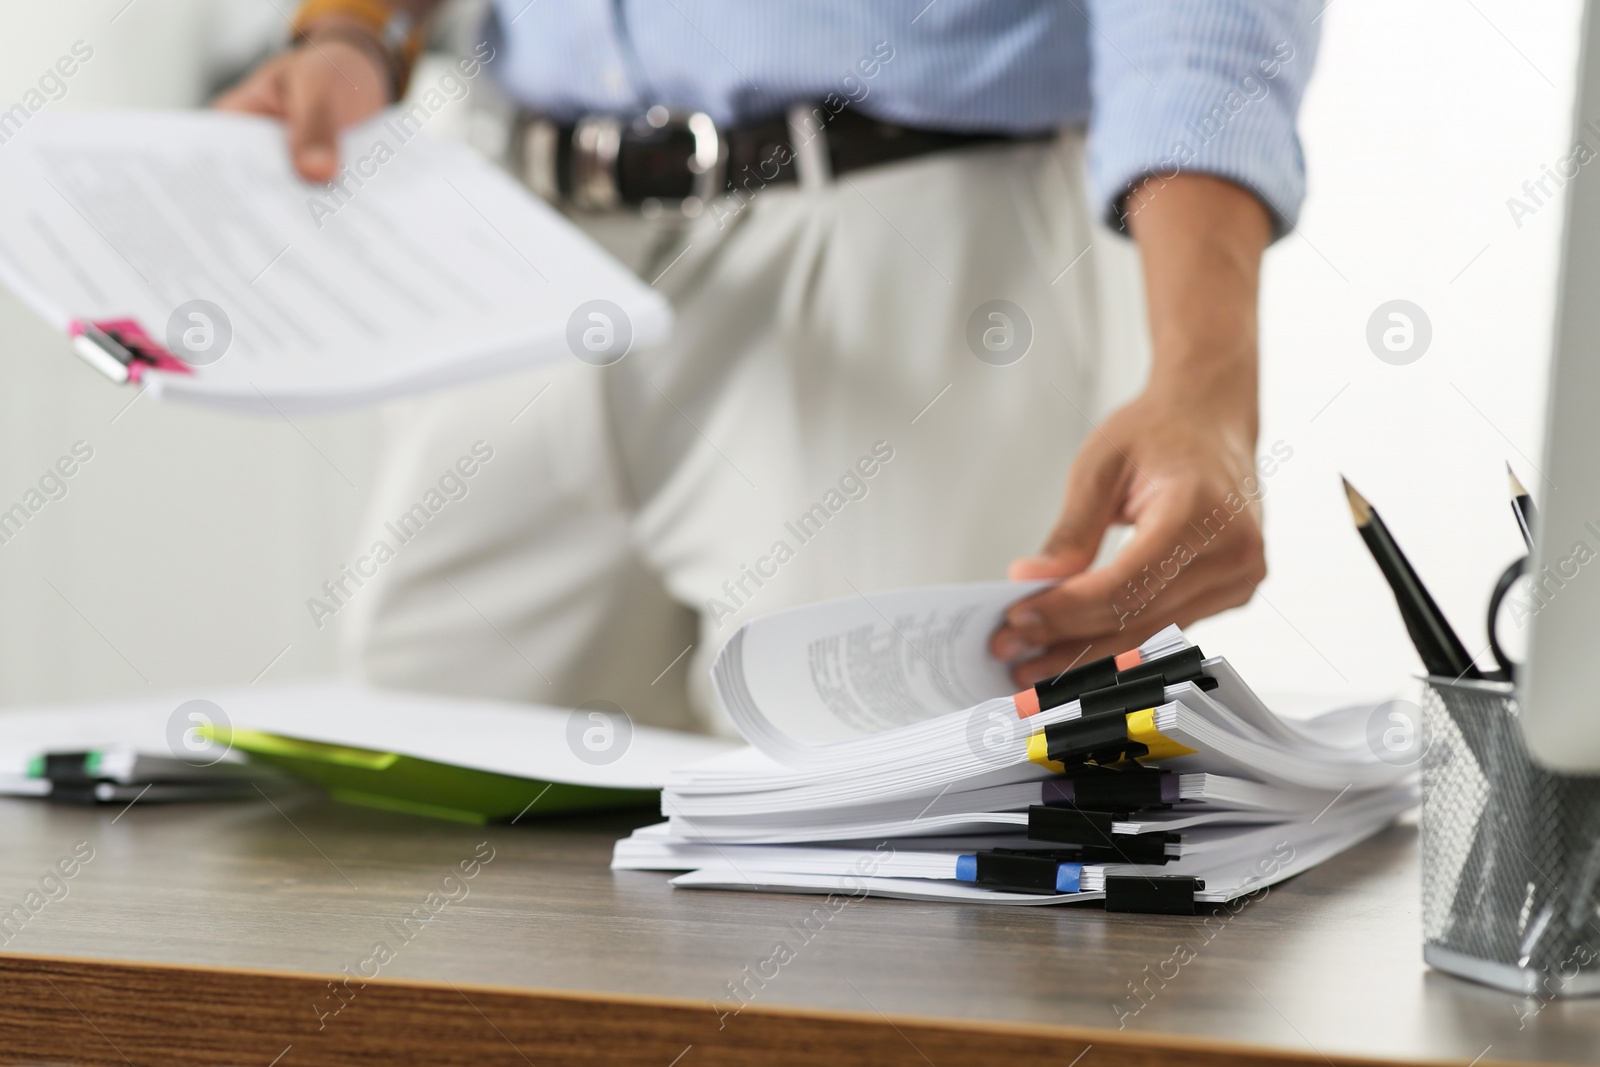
(397,33)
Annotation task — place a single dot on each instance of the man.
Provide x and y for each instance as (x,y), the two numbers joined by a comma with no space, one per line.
(884,357)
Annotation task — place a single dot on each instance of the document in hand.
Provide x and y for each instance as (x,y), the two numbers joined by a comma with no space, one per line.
(186,234)
(889,755)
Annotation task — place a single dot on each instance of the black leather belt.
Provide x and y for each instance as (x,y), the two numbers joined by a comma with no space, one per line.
(680,160)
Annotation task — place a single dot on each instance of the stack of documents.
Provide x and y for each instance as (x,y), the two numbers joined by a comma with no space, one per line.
(890,756)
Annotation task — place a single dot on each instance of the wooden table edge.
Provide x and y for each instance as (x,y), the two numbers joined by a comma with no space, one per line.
(83,1001)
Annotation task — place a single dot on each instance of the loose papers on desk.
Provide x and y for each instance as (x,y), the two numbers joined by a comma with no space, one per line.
(452,757)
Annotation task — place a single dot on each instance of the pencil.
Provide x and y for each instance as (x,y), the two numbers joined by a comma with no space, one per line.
(1441,650)
(1521,506)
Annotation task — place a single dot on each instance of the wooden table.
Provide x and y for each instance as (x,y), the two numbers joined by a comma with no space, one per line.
(209,935)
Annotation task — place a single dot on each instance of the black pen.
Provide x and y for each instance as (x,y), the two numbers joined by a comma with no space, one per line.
(1441,650)
(1522,507)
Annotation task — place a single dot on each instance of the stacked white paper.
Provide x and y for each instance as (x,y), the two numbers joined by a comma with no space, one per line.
(885,747)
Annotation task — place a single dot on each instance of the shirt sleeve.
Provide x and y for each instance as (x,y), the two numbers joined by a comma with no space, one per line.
(1199,87)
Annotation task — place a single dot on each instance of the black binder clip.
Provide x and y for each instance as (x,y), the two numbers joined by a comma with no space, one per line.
(1101,674)
(1020,871)
(1133,789)
(1072,826)
(1166,895)
(1119,699)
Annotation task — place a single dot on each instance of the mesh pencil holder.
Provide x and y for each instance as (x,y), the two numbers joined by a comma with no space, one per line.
(1510,851)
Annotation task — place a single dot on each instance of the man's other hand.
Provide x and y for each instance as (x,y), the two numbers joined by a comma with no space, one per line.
(317,89)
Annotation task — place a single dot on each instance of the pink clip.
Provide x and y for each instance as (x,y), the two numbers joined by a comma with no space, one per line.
(143,349)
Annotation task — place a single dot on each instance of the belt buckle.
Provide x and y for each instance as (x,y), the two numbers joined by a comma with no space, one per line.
(535,151)
(597,141)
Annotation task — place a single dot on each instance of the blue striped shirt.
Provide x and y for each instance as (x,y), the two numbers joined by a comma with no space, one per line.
(1164,86)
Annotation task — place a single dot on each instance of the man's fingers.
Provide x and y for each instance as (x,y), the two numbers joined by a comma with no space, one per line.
(1095,490)
(1083,603)
(1068,654)
(1126,621)
(1177,554)
(308,116)
(317,90)
(1143,589)
(259,94)
(1061,658)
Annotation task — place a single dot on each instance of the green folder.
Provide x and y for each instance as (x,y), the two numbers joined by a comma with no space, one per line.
(416,786)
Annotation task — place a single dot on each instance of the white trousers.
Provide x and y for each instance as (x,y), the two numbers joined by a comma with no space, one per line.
(820,425)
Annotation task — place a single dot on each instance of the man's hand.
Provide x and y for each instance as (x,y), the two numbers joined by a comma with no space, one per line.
(318,89)
(1178,463)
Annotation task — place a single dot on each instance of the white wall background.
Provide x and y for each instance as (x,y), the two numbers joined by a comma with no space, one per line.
(1422,119)
(185,550)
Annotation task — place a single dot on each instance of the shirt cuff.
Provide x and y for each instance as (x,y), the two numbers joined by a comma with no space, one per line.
(1197,122)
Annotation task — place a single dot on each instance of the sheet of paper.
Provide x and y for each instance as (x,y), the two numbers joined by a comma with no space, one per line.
(724,876)
(526,740)
(422,266)
(851,668)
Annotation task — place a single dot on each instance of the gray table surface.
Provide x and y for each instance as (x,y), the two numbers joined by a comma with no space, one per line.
(1328,964)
